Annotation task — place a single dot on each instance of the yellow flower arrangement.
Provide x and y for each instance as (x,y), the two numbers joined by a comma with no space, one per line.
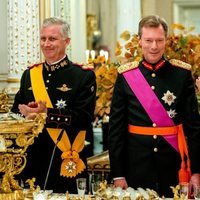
(106,75)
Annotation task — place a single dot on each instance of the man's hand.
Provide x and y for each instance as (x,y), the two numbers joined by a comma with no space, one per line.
(32,107)
(198,83)
(33,104)
(195,179)
(121,183)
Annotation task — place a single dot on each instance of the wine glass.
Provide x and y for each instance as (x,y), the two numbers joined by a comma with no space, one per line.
(95,187)
(197,192)
(81,186)
(184,190)
(40,195)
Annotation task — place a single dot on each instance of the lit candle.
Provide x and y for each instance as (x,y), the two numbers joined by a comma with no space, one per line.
(92,54)
(101,52)
(87,54)
(106,55)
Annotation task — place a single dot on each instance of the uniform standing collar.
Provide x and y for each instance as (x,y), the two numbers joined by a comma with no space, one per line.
(153,67)
(56,65)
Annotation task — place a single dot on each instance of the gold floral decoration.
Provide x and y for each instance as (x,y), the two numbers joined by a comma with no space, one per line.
(106,74)
(184,46)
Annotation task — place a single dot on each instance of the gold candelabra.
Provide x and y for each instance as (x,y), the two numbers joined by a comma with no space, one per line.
(16,134)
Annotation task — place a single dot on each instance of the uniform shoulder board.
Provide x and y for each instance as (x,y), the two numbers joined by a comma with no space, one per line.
(35,65)
(88,67)
(181,64)
(78,64)
(128,66)
(85,66)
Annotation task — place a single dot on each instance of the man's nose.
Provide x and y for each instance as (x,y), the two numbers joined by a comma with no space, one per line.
(46,42)
(154,44)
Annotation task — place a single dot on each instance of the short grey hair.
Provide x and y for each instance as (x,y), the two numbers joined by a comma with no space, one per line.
(65,28)
(153,21)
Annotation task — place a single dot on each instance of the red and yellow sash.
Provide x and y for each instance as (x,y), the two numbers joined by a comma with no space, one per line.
(71,164)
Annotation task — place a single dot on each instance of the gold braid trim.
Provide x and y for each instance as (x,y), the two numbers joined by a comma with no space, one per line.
(181,64)
(128,66)
(87,67)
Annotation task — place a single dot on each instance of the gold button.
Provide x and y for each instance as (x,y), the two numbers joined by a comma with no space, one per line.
(155,149)
(153,87)
(154,125)
(154,136)
(153,75)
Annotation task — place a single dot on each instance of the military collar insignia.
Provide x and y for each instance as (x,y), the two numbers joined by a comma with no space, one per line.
(64,88)
(169,97)
(181,64)
(154,68)
(128,66)
(56,66)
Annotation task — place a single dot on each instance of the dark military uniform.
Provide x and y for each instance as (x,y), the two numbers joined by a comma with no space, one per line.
(72,91)
(150,161)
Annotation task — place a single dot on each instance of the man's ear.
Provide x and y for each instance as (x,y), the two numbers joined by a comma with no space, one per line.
(139,41)
(67,41)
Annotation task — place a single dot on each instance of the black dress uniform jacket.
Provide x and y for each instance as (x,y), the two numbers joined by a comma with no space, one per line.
(150,161)
(72,91)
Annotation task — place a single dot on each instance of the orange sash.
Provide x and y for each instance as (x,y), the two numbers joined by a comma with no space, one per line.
(71,164)
(184,172)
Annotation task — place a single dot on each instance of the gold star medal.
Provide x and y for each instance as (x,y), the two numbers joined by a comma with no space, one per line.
(172,113)
(61,104)
(70,167)
(169,97)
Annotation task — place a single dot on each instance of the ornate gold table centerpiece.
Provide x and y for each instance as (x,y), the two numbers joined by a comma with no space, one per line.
(16,134)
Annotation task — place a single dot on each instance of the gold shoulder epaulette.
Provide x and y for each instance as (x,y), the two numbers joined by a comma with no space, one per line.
(87,67)
(181,64)
(78,63)
(128,66)
(34,65)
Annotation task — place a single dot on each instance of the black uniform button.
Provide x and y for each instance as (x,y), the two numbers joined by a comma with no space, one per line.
(66,119)
(154,136)
(47,81)
(49,74)
(52,118)
(47,88)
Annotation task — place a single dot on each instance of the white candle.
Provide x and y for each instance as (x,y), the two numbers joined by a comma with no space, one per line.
(106,55)
(101,52)
(87,55)
(92,54)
